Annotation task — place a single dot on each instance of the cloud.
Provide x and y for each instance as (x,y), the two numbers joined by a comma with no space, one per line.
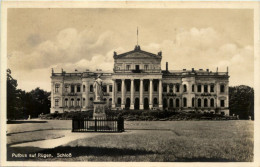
(192,48)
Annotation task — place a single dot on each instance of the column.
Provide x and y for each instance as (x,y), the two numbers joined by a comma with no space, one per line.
(160,94)
(141,94)
(87,94)
(107,88)
(132,94)
(168,88)
(151,94)
(123,94)
(75,88)
(113,94)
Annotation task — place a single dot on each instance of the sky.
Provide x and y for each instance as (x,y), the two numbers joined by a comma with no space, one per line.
(84,38)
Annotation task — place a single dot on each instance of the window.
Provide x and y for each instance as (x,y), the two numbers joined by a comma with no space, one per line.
(78,88)
(119,87)
(110,88)
(146,67)
(91,88)
(72,102)
(66,103)
(212,88)
(193,102)
(136,67)
(57,88)
(184,102)
(184,88)
(222,103)
(199,88)
(127,67)
(222,88)
(84,101)
(84,88)
(155,87)
(72,88)
(199,102)
(205,102)
(91,99)
(192,88)
(206,88)
(78,102)
(128,87)
(171,88)
(105,88)
(177,88)
(177,103)
(164,88)
(211,102)
(56,102)
(66,88)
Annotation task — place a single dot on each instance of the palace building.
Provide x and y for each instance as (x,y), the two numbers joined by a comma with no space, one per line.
(138,83)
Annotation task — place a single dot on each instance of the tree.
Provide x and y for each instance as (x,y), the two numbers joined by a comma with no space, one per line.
(241,101)
(21,104)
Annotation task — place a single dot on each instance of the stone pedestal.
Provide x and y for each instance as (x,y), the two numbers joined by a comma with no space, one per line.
(99,109)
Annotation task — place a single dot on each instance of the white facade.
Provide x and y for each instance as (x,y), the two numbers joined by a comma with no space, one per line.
(138,82)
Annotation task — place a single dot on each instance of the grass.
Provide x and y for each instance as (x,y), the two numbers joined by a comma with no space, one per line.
(160,141)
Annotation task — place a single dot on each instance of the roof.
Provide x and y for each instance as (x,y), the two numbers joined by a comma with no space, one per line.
(140,54)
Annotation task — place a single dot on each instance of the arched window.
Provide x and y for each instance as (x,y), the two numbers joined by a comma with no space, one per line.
(184,102)
(91,88)
(171,102)
(193,102)
(66,102)
(199,102)
(184,88)
(78,102)
(155,101)
(84,101)
(177,103)
(205,102)
(119,100)
(177,88)
(72,102)
(211,102)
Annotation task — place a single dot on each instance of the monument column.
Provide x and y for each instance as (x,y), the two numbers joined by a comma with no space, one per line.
(141,107)
(132,94)
(113,93)
(123,94)
(160,94)
(151,94)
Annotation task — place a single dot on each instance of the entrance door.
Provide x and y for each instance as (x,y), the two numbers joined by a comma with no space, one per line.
(137,103)
(146,103)
(127,104)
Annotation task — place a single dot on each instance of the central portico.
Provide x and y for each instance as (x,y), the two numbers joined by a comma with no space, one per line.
(137,80)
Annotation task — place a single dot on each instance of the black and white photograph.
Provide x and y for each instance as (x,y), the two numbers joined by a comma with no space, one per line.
(130,81)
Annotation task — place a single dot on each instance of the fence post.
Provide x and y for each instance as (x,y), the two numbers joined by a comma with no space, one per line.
(95,124)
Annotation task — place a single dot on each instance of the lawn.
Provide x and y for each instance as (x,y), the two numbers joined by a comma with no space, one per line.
(160,141)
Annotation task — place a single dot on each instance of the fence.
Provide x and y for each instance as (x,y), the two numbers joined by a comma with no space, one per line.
(98,125)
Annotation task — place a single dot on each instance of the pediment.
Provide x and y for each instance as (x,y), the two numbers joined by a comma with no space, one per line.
(138,54)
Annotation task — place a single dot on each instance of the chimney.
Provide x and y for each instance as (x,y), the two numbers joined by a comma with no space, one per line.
(192,69)
(167,66)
